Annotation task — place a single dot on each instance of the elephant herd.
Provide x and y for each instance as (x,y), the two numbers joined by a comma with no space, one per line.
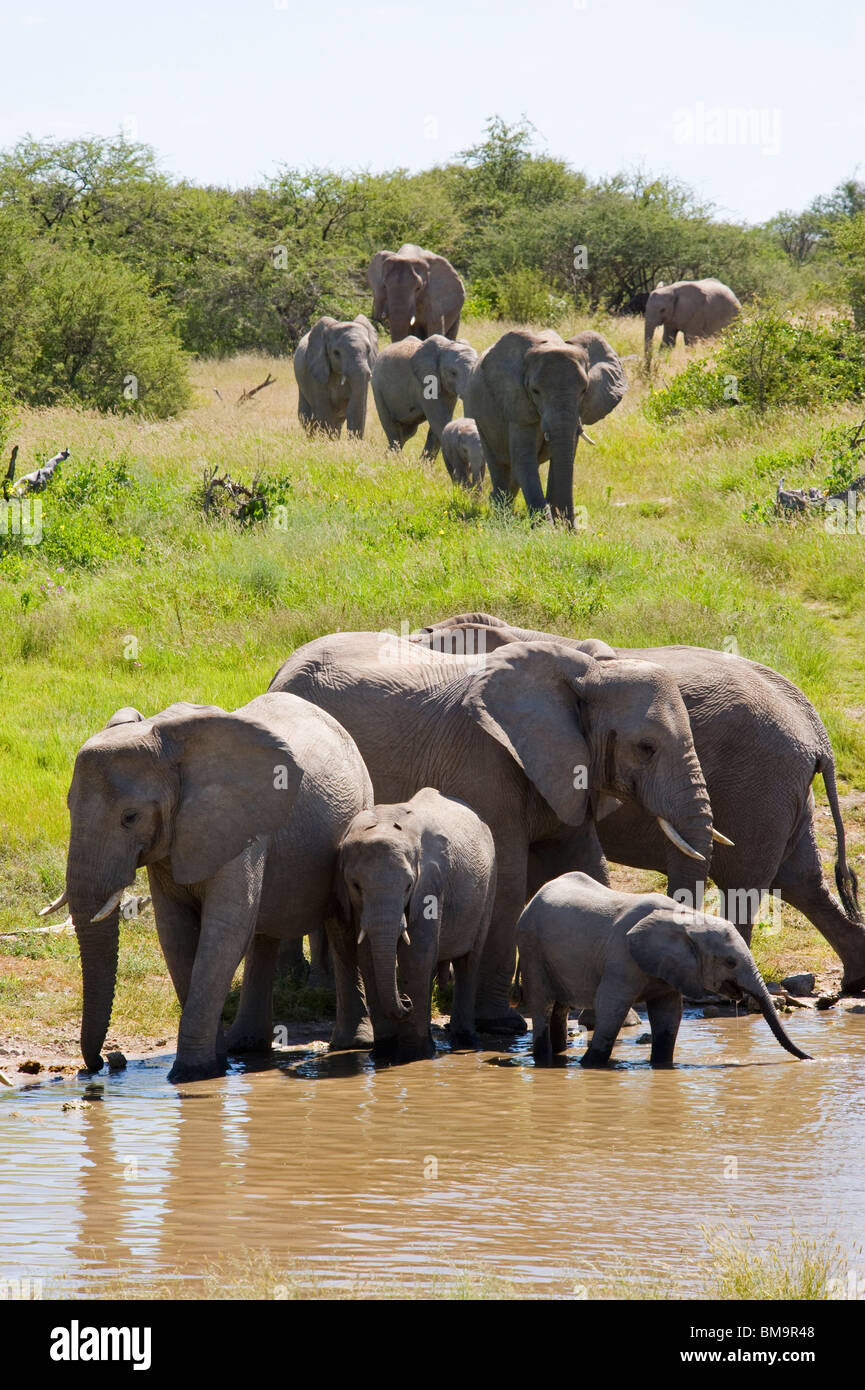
(527,399)
(409,797)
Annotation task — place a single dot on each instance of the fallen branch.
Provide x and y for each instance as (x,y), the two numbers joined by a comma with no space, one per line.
(248,395)
(10,474)
(246,501)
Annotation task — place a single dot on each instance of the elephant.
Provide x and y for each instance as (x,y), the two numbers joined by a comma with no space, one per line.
(529,395)
(463,453)
(530,737)
(697,308)
(582,944)
(415,292)
(333,365)
(760,743)
(237,817)
(413,381)
(416,883)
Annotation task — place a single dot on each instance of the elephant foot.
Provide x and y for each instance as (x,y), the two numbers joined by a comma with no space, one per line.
(385,1049)
(245,1041)
(594,1059)
(465,1041)
(415,1050)
(360,1040)
(854,983)
(511,1022)
(195,1071)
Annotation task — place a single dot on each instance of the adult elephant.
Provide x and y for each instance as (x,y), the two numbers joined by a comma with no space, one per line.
(530,395)
(237,817)
(531,738)
(415,292)
(760,742)
(332,366)
(697,308)
(416,380)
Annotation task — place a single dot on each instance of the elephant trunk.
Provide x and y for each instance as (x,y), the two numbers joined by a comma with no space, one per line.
(400,321)
(685,812)
(562,438)
(754,986)
(649,332)
(355,417)
(383,946)
(90,891)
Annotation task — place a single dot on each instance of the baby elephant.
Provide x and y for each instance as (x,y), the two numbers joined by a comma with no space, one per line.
(463,453)
(413,381)
(582,944)
(416,882)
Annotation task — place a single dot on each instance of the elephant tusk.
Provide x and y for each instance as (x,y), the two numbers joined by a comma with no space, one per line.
(405,936)
(361,934)
(547,436)
(342,380)
(109,907)
(588,438)
(412,321)
(674,836)
(722,839)
(52,907)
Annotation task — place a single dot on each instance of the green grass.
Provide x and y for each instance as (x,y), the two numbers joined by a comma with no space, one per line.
(139,600)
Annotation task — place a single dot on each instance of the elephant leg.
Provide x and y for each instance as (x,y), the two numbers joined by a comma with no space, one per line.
(527,475)
(542,1050)
(252,1030)
(462,1025)
(304,413)
(431,446)
(611,1010)
(291,963)
(559,1028)
(229,912)
(494,1013)
(320,966)
(177,926)
(665,1015)
(801,884)
(391,426)
(353,1027)
(669,337)
(414,1035)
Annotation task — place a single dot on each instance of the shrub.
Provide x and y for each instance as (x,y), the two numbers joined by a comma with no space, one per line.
(521,295)
(850,241)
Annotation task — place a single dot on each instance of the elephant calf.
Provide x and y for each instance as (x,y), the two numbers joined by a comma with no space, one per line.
(696,308)
(582,944)
(417,882)
(413,381)
(463,453)
(332,365)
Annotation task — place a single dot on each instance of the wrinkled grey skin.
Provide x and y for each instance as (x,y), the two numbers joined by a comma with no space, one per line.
(463,453)
(528,395)
(332,365)
(425,870)
(760,743)
(415,292)
(530,737)
(697,308)
(583,945)
(237,817)
(413,381)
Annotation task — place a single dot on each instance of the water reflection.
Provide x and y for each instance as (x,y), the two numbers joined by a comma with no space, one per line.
(362,1171)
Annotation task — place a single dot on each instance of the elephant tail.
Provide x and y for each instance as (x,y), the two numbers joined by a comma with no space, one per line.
(845,879)
(517,986)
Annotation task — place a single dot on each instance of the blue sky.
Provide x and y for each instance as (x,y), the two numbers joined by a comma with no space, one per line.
(758,104)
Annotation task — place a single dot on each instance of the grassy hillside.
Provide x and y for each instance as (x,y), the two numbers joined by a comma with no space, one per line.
(133,597)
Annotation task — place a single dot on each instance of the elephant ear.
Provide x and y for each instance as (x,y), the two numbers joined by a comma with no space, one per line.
(372,335)
(502,368)
(425,360)
(445,291)
(127,715)
(426,900)
(238,781)
(375,276)
(527,697)
(664,948)
(607,381)
(317,360)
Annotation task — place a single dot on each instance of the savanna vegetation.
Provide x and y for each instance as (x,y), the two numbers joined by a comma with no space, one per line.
(134,595)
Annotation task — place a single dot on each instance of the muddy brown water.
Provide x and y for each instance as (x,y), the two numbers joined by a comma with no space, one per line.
(344,1172)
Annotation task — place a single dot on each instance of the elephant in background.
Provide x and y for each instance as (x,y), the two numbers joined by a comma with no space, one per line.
(463,453)
(528,394)
(416,883)
(415,292)
(697,308)
(760,743)
(413,381)
(237,817)
(333,365)
(583,945)
(531,737)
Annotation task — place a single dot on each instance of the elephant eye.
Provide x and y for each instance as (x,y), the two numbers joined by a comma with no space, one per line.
(647,749)
(129,818)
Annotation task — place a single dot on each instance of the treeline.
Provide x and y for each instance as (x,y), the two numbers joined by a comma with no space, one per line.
(111,272)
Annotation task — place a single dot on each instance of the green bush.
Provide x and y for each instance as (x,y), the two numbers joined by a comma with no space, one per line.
(8,418)
(521,295)
(771,358)
(850,242)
